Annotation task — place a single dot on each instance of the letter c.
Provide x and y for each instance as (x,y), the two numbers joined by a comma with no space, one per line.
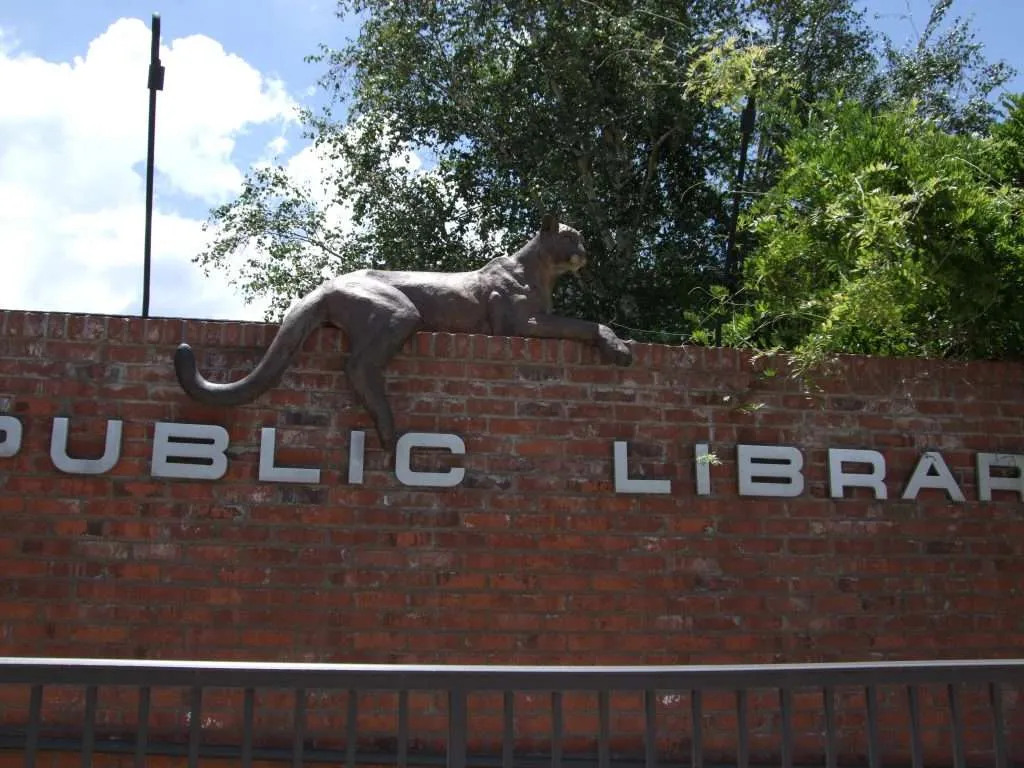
(403,457)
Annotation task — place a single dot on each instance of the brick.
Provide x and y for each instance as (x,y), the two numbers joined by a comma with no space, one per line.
(534,558)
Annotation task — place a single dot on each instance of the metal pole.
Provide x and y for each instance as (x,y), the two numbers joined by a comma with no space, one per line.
(156,83)
(732,266)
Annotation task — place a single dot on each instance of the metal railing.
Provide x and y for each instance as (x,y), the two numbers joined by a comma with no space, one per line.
(894,689)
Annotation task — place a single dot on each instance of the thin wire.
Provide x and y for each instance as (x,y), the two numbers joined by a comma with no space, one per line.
(648,331)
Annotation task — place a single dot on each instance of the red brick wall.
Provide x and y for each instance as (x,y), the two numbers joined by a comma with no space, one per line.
(533,558)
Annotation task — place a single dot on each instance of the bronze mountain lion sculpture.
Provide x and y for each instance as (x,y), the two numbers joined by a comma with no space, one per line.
(380,310)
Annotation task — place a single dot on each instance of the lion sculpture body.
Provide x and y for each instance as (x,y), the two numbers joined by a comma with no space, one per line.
(379,310)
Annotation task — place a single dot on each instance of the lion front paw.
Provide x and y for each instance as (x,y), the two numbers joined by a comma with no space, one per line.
(613,349)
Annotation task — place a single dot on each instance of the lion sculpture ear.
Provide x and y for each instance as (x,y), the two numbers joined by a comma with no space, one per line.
(549,223)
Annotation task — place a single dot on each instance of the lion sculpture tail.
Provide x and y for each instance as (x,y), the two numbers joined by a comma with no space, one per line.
(304,318)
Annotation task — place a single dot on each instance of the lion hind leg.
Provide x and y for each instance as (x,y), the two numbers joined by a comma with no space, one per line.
(378,321)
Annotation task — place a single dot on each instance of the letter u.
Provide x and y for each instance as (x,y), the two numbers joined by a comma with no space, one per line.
(63,462)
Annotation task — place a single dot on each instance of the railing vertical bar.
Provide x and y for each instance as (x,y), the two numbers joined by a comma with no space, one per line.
(604,729)
(351,724)
(299,726)
(959,759)
(403,728)
(457,728)
(248,711)
(995,698)
(35,707)
(874,750)
(786,708)
(916,753)
(828,694)
(650,730)
(742,748)
(195,726)
(697,720)
(89,732)
(508,732)
(556,729)
(142,727)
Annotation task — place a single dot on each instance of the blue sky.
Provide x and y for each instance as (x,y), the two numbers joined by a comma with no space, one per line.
(73,125)
(997,23)
(272,35)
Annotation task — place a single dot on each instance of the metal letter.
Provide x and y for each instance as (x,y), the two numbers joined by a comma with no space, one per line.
(270,473)
(924,478)
(779,462)
(63,462)
(625,484)
(356,454)
(403,456)
(207,442)
(988,483)
(702,468)
(839,481)
(10,429)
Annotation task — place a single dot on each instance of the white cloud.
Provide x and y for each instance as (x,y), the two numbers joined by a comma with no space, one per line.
(277,145)
(72,164)
(8,41)
(313,170)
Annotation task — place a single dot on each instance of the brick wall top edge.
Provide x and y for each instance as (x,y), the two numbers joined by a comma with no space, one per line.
(201,332)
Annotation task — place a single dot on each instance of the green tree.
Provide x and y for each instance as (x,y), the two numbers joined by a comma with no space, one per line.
(945,73)
(602,112)
(1010,135)
(521,108)
(889,235)
(622,117)
(780,59)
